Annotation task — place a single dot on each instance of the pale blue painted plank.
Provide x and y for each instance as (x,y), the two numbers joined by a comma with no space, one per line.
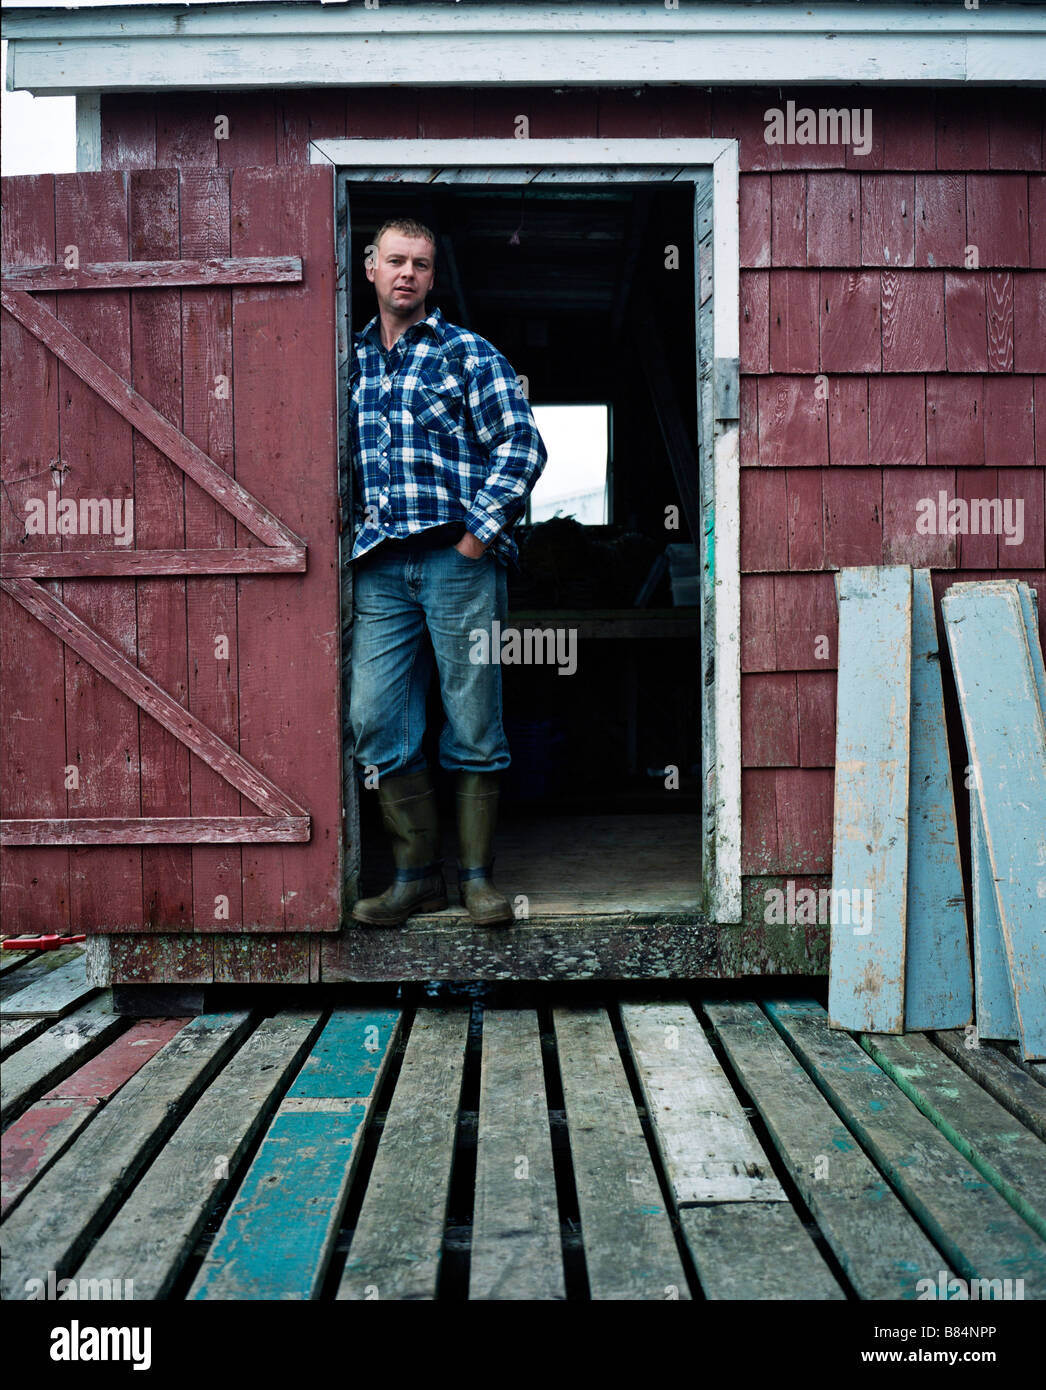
(1030,609)
(995,1014)
(870,830)
(938,988)
(278,1234)
(1006,738)
(996,1017)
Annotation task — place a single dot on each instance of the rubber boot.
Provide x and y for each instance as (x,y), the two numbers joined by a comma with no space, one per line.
(477,801)
(408,812)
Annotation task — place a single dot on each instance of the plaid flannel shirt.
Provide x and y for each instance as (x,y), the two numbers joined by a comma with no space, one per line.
(439,432)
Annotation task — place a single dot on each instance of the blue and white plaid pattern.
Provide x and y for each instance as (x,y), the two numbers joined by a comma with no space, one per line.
(439,432)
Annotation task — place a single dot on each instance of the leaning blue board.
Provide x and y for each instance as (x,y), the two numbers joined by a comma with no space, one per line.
(870,817)
(1006,737)
(938,988)
(996,1017)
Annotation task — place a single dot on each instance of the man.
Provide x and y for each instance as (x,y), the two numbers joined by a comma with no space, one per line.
(445,452)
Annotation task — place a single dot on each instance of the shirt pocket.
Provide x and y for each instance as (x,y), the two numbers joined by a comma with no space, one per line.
(437,406)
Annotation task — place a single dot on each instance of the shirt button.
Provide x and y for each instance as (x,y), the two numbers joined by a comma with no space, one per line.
(385,383)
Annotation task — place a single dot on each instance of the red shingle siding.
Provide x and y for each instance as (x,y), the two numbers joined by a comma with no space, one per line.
(930,386)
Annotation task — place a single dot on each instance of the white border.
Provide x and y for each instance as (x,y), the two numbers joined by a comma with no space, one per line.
(673,160)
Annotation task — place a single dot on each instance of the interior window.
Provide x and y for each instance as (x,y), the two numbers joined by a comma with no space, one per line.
(574,482)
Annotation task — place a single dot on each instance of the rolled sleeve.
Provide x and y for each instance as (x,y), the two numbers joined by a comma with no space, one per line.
(504,423)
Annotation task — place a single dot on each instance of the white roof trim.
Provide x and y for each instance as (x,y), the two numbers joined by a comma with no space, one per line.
(178,47)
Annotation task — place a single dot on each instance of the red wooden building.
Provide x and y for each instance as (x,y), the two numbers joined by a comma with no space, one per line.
(798,252)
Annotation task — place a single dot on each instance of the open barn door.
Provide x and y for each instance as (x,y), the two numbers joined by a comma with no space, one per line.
(171,734)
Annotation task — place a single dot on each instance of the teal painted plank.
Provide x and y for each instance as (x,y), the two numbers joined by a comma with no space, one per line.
(870,829)
(1006,738)
(938,982)
(995,1013)
(974,1227)
(278,1235)
(1004,1151)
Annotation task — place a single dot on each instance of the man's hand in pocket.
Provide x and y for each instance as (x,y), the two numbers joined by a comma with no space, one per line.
(470,547)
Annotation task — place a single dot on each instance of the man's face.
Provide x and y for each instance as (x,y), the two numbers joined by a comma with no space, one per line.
(402,272)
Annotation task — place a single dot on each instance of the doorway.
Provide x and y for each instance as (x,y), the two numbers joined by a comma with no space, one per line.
(593,291)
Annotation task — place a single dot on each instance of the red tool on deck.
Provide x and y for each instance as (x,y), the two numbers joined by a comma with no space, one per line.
(38,943)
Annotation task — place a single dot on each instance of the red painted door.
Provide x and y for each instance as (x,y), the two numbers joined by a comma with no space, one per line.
(170,740)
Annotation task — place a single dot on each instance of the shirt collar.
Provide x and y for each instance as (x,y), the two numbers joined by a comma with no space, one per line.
(434,322)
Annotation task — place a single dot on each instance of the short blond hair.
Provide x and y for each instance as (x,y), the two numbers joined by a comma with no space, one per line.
(406,226)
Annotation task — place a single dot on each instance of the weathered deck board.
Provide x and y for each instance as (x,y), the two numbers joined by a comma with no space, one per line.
(756,1250)
(46,1129)
(51,997)
(11,960)
(398,1241)
(708,1148)
(38,968)
(122,1188)
(1011,1157)
(516,1249)
(49,1231)
(745,1239)
(938,982)
(1002,1078)
(66,1045)
(974,1227)
(278,1235)
(1006,736)
(16,1032)
(630,1250)
(155,1230)
(1037,1070)
(870,832)
(877,1242)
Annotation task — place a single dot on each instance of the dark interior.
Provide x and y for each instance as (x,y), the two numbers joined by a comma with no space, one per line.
(577,288)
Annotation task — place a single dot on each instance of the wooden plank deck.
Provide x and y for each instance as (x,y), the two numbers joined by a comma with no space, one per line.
(467,1144)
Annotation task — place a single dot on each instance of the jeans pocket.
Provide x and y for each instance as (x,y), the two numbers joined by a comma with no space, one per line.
(470,559)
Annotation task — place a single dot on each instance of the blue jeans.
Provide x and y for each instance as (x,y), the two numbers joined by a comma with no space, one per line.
(398,596)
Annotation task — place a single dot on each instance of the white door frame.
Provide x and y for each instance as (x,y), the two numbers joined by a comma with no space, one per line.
(577,160)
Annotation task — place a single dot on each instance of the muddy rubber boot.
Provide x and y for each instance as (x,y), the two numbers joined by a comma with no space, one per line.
(477,800)
(408,812)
